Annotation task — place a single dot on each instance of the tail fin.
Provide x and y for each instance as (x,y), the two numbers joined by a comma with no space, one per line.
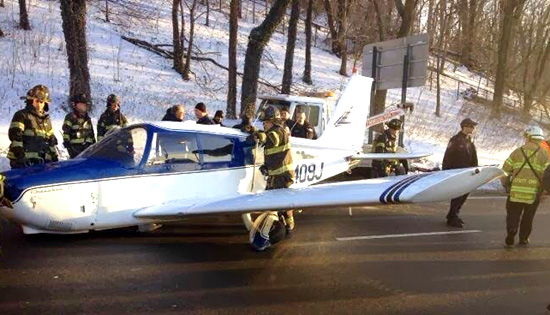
(346,128)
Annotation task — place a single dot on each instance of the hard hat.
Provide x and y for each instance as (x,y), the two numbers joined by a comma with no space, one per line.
(112,99)
(270,114)
(534,132)
(79,98)
(38,92)
(395,124)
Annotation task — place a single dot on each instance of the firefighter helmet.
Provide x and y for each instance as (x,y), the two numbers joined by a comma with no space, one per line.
(395,124)
(534,132)
(79,98)
(111,99)
(38,92)
(270,114)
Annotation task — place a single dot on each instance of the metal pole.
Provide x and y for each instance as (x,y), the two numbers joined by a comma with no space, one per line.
(406,65)
(373,88)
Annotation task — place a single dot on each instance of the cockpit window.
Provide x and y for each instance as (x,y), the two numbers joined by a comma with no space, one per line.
(216,149)
(312,113)
(178,149)
(125,146)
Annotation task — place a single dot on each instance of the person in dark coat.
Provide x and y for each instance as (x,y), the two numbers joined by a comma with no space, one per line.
(202,115)
(218,118)
(174,113)
(461,153)
(302,128)
(111,117)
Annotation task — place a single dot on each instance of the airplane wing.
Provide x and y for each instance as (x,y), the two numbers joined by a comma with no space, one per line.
(384,156)
(429,187)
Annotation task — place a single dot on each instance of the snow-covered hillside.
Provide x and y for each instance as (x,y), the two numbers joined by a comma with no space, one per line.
(147,84)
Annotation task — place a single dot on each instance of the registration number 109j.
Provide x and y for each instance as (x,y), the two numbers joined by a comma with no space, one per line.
(308,172)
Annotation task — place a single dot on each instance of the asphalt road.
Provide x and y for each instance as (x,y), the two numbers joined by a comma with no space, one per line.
(205,266)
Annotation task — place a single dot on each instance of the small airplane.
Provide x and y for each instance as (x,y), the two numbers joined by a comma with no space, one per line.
(149,173)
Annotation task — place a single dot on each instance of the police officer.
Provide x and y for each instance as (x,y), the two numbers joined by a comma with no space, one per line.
(387,143)
(280,172)
(111,117)
(31,134)
(461,152)
(524,184)
(78,132)
(302,128)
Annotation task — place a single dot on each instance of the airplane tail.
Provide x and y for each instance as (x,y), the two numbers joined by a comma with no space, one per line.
(346,127)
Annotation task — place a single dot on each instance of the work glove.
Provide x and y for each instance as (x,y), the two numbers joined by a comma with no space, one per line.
(263,170)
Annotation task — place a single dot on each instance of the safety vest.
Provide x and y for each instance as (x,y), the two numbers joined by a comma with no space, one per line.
(32,137)
(525,184)
(278,158)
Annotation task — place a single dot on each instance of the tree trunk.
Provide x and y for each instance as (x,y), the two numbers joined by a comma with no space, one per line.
(307,67)
(468,18)
(442,51)
(187,67)
(509,10)
(176,38)
(332,28)
(107,11)
(258,38)
(2,5)
(342,35)
(23,16)
(73,13)
(231,110)
(290,44)
(1,33)
(207,23)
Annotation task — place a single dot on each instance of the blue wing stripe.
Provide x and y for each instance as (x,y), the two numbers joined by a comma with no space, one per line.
(396,198)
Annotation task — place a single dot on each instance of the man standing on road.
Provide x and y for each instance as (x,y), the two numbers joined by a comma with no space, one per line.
(461,153)
(524,168)
(31,134)
(272,227)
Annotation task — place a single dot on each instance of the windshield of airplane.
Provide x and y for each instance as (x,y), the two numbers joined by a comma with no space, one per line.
(125,146)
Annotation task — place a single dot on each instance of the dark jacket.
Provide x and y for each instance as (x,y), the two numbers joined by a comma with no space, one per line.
(78,133)
(205,120)
(108,120)
(303,131)
(461,152)
(169,116)
(32,139)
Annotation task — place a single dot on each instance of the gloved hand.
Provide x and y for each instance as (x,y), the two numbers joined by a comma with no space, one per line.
(23,162)
(263,170)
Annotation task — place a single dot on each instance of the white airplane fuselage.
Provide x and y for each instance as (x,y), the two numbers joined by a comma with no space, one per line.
(91,193)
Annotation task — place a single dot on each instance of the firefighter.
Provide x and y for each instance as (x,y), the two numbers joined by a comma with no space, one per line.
(272,227)
(387,143)
(31,134)
(111,117)
(460,153)
(78,132)
(525,168)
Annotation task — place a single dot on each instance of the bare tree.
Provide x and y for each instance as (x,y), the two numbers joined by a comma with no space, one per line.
(511,10)
(177,37)
(207,4)
(73,14)
(290,45)
(23,16)
(307,66)
(342,35)
(258,38)
(231,110)
(442,53)
(332,27)
(187,67)
(467,17)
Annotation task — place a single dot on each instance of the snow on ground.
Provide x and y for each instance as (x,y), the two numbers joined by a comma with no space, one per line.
(147,84)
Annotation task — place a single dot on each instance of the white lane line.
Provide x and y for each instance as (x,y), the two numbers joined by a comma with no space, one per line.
(372,237)
(488,197)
